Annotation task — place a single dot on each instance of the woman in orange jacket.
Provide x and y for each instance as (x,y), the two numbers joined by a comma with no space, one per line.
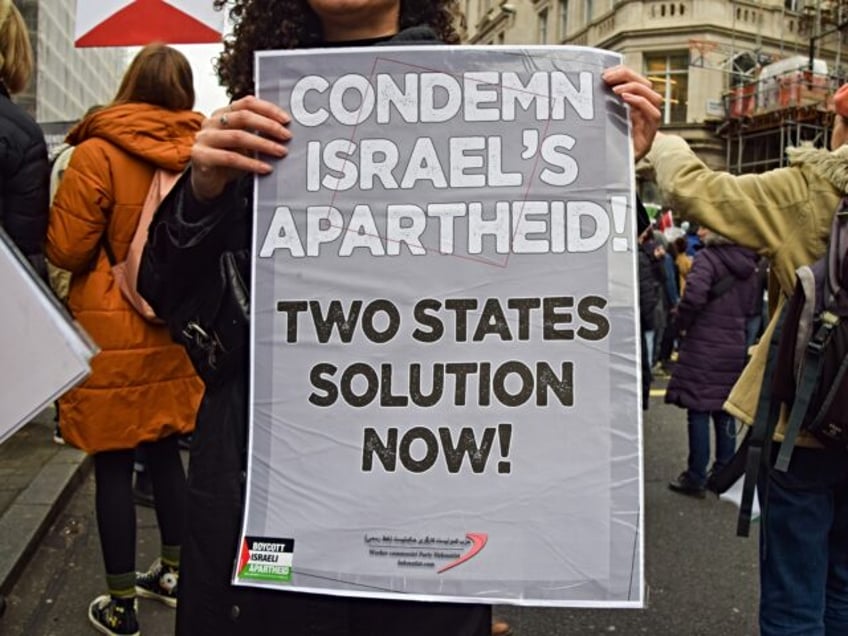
(143,389)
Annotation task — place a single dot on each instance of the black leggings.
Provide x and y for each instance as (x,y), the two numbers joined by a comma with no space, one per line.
(113,471)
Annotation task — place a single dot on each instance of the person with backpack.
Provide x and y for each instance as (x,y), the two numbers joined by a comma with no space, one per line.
(143,389)
(711,320)
(785,215)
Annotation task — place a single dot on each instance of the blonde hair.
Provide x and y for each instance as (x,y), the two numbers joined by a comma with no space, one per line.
(16,60)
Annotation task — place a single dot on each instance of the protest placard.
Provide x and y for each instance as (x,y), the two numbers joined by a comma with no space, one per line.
(445,395)
(44,352)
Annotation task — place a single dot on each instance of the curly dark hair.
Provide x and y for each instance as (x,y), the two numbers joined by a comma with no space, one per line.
(260,25)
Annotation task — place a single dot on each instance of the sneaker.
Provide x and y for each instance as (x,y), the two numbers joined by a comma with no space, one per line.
(110,616)
(57,435)
(660,372)
(159,583)
(685,485)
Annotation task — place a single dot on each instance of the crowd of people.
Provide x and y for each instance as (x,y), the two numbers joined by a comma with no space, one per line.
(700,310)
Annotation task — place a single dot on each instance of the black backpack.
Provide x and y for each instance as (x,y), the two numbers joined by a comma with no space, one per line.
(812,356)
(805,371)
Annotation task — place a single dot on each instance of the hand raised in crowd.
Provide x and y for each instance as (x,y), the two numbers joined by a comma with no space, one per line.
(644,103)
(229,141)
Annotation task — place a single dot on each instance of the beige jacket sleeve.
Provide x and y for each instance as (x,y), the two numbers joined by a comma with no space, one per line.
(771,212)
(783,214)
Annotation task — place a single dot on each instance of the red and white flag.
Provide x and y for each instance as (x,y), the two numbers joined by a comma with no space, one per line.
(665,220)
(140,22)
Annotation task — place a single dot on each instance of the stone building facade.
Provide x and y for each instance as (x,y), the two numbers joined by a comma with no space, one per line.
(699,54)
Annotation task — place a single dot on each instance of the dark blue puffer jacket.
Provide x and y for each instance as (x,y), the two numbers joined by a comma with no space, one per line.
(713,350)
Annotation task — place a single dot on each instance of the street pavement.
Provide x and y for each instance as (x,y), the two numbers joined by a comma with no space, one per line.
(700,578)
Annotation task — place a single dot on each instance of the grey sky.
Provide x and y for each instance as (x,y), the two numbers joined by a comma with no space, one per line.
(209,94)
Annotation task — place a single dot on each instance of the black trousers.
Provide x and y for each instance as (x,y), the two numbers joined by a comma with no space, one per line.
(114,505)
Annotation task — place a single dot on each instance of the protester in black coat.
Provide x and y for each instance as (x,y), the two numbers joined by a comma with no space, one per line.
(24,169)
(187,239)
(208,214)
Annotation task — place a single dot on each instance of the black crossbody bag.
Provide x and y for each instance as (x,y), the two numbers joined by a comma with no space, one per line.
(214,324)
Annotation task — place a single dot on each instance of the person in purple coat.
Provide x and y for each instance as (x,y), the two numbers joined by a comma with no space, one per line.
(711,317)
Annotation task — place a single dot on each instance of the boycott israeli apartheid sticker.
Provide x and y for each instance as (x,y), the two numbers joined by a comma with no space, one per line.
(263,559)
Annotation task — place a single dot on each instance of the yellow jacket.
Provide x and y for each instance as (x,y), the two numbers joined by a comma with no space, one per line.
(684,266)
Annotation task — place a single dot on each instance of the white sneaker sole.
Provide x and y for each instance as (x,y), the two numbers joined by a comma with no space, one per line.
(100,627)
(170,602)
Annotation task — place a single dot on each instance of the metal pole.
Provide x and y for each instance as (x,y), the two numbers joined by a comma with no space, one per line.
(733,39)
(812,52)
(839,16)
(816,35)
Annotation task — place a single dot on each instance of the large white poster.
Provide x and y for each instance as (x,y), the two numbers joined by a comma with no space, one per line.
(444,393)
(44,352)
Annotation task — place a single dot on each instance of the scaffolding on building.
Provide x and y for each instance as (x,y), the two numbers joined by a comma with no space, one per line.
(787,102)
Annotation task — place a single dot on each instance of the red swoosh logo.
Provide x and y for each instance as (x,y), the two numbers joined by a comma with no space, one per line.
(478,542)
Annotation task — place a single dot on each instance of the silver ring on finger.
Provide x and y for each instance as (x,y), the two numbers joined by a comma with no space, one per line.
(224,121)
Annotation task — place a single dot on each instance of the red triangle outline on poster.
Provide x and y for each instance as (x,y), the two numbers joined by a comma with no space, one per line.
(146,21)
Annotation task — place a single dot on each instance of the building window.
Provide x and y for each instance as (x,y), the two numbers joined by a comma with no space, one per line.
(563,19)
(669,75)
(589,8)
(542,35)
